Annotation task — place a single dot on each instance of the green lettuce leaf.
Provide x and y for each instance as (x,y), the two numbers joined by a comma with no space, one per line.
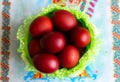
(24,37)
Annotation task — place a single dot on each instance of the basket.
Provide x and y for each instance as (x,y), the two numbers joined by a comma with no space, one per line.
(24,37)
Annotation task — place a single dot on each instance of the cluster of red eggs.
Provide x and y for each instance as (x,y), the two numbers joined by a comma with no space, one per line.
(56,41)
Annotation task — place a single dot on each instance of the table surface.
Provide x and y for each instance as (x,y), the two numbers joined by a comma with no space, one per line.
(106,64)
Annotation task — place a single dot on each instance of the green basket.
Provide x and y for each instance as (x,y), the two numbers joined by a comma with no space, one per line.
(24,37)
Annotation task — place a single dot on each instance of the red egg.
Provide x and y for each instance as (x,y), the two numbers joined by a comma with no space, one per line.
(53,42)
(80,37)
(69,57)
(34,47)
(40,26)
(46,63)
(64,20)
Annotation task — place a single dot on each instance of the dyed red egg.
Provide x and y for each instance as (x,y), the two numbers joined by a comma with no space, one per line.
(40,26)
(64,20)
(53,42)
(34,47)
(80,37)
(69,57)
(46,63)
